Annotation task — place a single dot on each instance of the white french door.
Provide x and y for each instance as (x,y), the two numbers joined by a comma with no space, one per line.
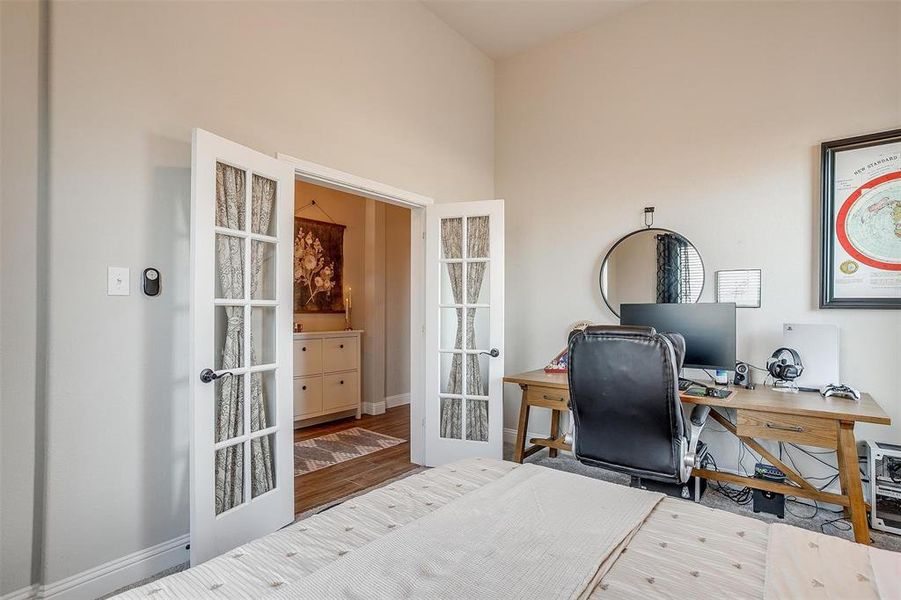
(464,331)
(242,230)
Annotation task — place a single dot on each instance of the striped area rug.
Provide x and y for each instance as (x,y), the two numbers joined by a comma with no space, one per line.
(326,450)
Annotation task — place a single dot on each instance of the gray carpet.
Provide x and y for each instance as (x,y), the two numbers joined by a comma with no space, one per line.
(803,515)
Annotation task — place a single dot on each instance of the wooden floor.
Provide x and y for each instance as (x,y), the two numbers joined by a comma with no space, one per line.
(322,486)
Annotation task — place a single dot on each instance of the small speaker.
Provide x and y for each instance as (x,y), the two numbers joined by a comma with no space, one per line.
(743,375)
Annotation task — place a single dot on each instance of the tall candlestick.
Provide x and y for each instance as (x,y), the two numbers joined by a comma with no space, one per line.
(347,307)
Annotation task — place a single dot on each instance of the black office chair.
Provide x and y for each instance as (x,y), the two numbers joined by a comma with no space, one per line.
(624,398)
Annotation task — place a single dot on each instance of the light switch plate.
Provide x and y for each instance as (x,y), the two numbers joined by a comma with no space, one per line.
(117,281)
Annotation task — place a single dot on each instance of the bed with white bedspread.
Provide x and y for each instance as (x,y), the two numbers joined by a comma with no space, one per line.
(494,529)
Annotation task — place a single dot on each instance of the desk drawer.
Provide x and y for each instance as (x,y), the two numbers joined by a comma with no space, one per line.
(799,429)
(307,357)
(339,354)
(548,397)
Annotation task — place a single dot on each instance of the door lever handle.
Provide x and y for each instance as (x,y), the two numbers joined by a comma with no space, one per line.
(208,375)
(493,353)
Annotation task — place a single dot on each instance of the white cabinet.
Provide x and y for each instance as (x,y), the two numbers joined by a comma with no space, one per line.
(326,373)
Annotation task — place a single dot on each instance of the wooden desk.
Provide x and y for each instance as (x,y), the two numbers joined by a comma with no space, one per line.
(800,418)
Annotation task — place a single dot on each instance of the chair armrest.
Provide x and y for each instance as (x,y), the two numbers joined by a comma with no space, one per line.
(699,415)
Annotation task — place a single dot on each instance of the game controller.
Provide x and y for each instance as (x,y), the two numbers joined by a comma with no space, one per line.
(843,391)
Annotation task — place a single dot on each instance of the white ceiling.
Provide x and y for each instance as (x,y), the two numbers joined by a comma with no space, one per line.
(502,28)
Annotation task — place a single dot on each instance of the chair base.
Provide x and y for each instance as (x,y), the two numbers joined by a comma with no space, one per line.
(693,489)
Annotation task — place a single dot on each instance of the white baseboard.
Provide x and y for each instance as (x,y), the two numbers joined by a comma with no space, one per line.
(117,573)
(374,408)
(398,400)
(26,593)
(510,435)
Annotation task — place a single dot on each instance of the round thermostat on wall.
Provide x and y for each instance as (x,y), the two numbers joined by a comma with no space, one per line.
(150,281)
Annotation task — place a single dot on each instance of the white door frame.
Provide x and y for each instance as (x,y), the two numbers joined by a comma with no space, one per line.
(339,180)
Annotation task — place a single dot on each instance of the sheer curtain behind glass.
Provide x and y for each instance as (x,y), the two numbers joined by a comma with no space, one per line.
(476,410)
(230,193)
(452,408)
(230,213)
(262,201)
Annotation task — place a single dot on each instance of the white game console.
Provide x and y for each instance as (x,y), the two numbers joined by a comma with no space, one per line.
(818,346)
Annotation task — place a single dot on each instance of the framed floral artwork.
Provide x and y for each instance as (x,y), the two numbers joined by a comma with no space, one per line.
(318,266)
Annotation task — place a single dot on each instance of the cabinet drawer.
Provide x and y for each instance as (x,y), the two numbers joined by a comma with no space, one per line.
(307,357)
(339,354)
(307,395)
(788,428)
(340,390)
(548,397)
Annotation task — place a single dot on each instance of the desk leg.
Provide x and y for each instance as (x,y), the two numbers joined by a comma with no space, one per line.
(846,511)
(523,425)
(555,431)
(850,477)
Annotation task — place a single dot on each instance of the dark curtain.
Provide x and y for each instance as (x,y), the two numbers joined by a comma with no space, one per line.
(672,272)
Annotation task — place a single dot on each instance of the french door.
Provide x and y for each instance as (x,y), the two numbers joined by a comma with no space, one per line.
(464,331)
(242,229)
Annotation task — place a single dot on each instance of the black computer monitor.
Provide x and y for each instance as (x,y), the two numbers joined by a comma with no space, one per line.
(708,329)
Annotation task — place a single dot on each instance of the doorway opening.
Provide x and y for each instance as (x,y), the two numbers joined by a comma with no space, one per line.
(352,344)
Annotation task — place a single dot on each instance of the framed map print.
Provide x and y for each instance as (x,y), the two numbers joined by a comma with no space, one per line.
(861,222)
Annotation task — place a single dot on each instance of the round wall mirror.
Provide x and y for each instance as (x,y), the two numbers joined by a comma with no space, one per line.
(651,265)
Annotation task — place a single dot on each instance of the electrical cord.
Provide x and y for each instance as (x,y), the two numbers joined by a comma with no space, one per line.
(832,523)
(792,499)
(742,496)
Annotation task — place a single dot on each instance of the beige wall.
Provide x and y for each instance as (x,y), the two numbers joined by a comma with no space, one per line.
(21,122)
(713,113)
(397,300)
(382,90)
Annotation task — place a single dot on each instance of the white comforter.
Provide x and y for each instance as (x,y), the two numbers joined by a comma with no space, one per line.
(534,533)
(682,550)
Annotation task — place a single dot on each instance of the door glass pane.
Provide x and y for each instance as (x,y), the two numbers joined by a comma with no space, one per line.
(262,464)
(451,418)
(452,238)
(451,373)
(477,332)
(477,237)
(229,407)
(262,206)
(262,270)
(262,400)
(451,283)
(229,477)
(451,328)
(477,420)
(477,283)
(476,374)
(262,335)
(229,341)
(229,267)
(231,196)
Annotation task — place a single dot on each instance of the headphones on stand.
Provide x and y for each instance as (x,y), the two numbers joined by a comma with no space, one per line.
(779,366)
